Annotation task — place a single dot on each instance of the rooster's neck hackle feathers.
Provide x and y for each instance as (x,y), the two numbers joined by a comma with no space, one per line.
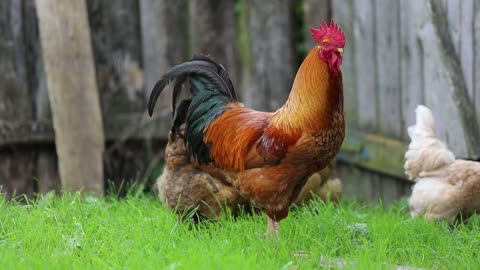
(316,94)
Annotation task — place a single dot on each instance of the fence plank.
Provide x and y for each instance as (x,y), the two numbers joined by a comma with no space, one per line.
(411,63)
(117,49)
(460,26)
(25,132)
(476,63)
(315,11)
(212,27)
(37,83)
(467,48)
(46,167)
(364,59)
(369,186)
(16,165)
(135,127)
(14,97)
(73,93)
(387,60)
(374,152)
(342,13)
(272,54)
(164,42)
(245,61)
(437,96)
(453,9)
(16,172)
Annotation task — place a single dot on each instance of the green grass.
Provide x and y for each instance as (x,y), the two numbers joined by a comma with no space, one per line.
(70,232)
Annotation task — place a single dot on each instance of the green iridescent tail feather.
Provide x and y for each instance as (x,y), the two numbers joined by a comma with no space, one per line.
(211,89)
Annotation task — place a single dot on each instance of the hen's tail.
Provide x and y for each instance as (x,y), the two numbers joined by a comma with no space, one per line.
(425,152)
(210,88)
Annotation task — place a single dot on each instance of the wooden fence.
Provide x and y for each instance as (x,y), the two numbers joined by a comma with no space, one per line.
(399,54)
(405,53)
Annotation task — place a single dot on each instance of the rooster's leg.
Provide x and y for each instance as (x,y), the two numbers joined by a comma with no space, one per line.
(273,227)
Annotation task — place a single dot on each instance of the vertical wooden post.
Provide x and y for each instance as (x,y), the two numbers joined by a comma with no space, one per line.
(73,95)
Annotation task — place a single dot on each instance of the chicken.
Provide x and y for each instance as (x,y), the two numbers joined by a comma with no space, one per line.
(444,186)
(322,185)
(267,157)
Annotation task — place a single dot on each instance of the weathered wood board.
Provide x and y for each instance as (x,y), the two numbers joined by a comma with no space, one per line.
(370,186)
(118,56)
(476,57)
(315,12)
(387,52)
(411,65)
(271,52)
(45,162)
(16,164)
(164,45)
(343,13)
(363,68)
(213,32)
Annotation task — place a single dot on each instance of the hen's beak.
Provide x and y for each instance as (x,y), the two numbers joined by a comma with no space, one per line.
(340,50)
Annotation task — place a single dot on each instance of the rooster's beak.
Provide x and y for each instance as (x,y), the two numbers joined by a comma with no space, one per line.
(340,50)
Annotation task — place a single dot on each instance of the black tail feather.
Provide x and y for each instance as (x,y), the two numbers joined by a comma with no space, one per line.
(201,66)
(180,115)
(177,89)
(210,90)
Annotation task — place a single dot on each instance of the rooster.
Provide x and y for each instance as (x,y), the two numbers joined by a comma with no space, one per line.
(267,157)
(444,186)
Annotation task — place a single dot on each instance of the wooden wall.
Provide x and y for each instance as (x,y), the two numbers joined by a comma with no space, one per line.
(405,53)
(399,54)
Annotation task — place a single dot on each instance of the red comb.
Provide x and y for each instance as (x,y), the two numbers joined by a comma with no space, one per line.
(333,32)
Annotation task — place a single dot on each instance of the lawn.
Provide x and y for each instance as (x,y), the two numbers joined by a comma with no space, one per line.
(70,232)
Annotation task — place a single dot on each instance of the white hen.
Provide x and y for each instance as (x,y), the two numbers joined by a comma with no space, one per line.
(445,186)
